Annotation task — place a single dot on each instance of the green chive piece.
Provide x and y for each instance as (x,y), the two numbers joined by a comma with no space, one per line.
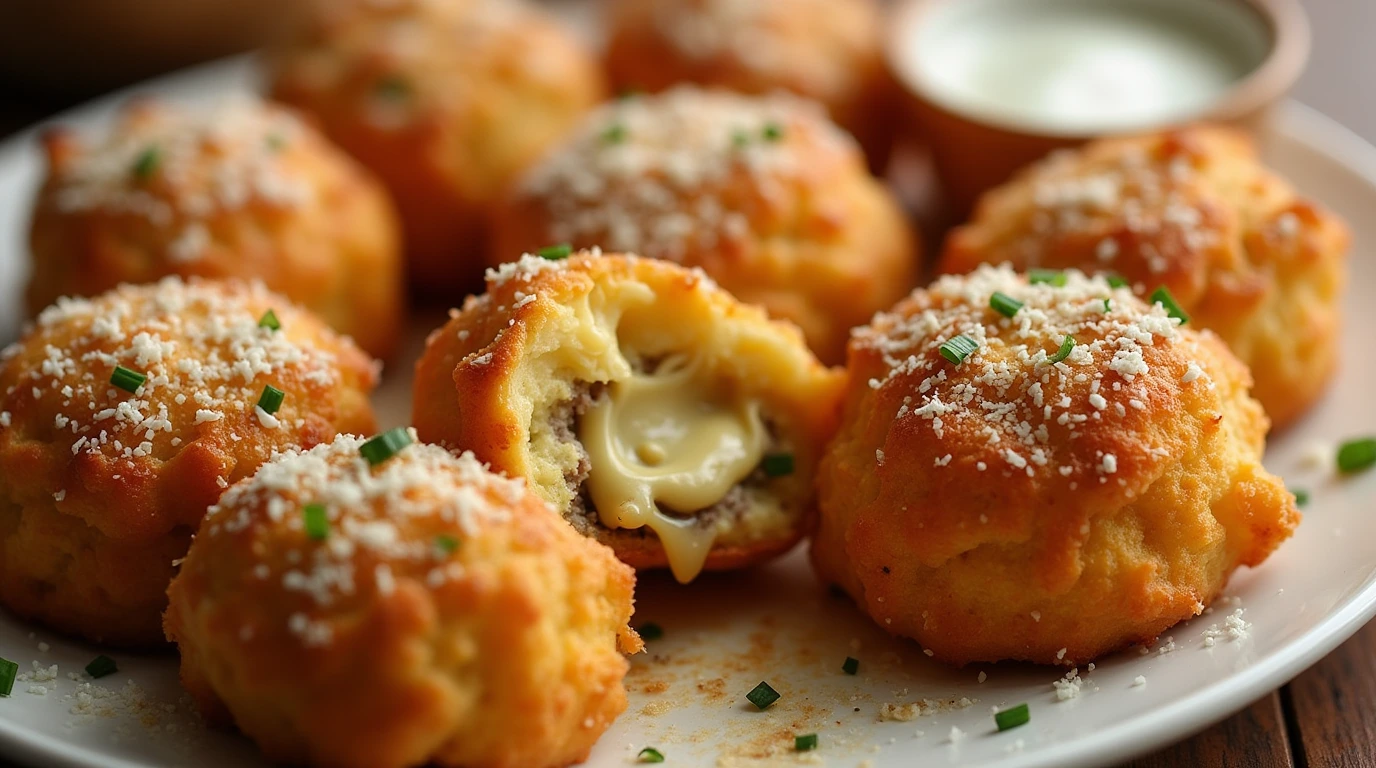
(147,163)
(850,666)
(127,380)
(1108,307)
(1301,497)
(385,445)
(614,134)
(650,631)
(446,543)
(1357,455)
(1163,297)
(1012,718)
(269,321)
(1004,304)
(762,696)
(957,349)
(555,252)
(1048,276)
(777,465)
(649,755)
(271,399)
(394,88)
(1116,281)
(805,743)
(626,94)
(317,522)
(9,670)
(1067,344)
(773,132)
(275,141)
(101,666)
(740,138)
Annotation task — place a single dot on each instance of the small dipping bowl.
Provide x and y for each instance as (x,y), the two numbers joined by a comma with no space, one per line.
(993,85)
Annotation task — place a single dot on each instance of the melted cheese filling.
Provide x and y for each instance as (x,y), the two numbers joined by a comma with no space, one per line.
(662,441)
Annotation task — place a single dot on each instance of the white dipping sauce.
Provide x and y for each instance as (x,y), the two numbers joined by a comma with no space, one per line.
(1086,66)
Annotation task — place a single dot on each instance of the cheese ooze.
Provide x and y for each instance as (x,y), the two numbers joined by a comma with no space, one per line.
(668,440)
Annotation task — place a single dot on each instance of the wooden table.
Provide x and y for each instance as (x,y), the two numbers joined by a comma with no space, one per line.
(1327,716)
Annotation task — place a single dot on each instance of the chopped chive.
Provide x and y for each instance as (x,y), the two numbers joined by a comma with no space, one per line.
(1108,307)
(555,252)
(957,349)
(762,696)
(1067,344)
(1163,297)
(393,88)
(850,666)
(316,522)
(385,445)
(147,163)
(271,399)
(1012,718)
(1048,276)
(127,380)
(9,670)
(777,465)
(1116,281)
(446,543)
(614,134)
(805,743)
(650,631)
(773,132)
(269,321)
(1301,497)
(1357,455)
(626,94)
(740,138)
(275,141)
(650,755)
(1004,304)
(102,666)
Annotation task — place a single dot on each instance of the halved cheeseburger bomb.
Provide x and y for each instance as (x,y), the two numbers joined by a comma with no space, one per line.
(1043,472)
(123,417)
(658,414)
(380,604)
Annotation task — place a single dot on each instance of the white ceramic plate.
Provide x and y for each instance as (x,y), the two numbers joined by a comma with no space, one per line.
(726,633)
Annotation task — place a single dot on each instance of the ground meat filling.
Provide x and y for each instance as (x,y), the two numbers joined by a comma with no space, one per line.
(583,515)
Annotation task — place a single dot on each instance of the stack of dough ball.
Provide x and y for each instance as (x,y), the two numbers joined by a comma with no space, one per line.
(439,614)
(658,414)
(243,190)
(763,193)
(1193,210)
(102,488)
(1011,507)
(828,50)
(446,100)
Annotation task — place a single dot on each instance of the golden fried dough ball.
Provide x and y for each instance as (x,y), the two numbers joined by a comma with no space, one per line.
(1089,475)
(763,193)
(350,607)
(1193,210)
(828,50)
(446,100)
(241,190)
(122,418)
(658,414)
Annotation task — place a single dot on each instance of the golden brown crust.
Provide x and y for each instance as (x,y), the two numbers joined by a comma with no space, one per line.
(243,190)
(1193,210)
(378,647)
(490,378)
(100,489)
(763,193)
(827,50)
(1011,508)
(445,101)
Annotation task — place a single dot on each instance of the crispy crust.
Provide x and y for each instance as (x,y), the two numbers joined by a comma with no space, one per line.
(507,357)
(505,652)
(828,50)
(1194,210)
(790,224)
(1117,517)
(88,534)
(486,87)
(310,223)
